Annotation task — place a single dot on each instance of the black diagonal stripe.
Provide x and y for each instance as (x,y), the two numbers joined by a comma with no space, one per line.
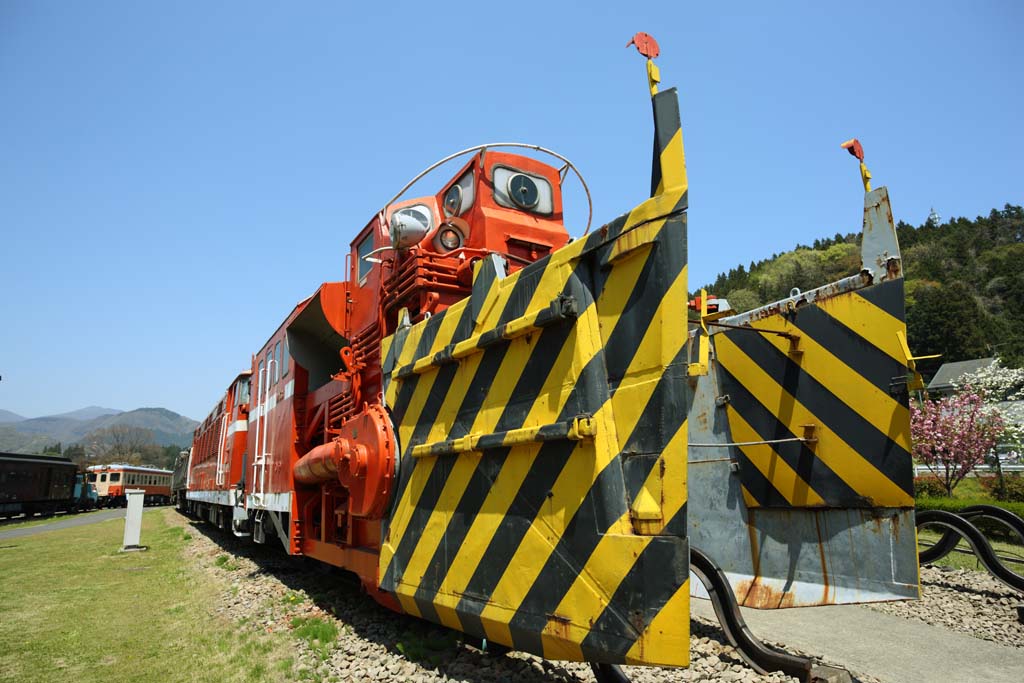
(408,384)
(867,439)
(604,503)
(608,498)
(666,123)
(888,296)
(535,372)
(826,483)
(599,510)
(867,360)
(663,265)
(587,396)
(406,463)
(660,571)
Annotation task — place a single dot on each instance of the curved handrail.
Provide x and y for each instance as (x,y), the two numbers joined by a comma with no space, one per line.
(954,523)
(758,655)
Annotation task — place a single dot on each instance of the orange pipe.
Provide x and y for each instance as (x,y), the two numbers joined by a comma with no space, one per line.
(321,464)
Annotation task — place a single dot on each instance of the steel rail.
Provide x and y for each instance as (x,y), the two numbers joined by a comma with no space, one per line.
(953,523)
(761,657)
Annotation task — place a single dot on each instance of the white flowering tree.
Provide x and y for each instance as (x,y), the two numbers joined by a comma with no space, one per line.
(1001,387)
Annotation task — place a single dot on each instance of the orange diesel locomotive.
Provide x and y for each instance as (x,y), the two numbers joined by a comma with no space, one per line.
(485,420)
(319,445)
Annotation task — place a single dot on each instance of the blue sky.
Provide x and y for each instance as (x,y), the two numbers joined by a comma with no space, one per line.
(174,177)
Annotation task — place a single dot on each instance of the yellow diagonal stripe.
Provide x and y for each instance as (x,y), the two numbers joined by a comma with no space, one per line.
(611,561)
(850,387)
(867,320)
(842,459)
(766,459)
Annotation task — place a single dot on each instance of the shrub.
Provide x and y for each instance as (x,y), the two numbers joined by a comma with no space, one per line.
(928,487)
(1007,489)
(958,504)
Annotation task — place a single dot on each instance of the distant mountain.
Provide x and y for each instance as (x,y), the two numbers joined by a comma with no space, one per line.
(89,413)
(29,436)
(7,416)
(168,427)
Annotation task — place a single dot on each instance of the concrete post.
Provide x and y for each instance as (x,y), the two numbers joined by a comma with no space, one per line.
(133,520)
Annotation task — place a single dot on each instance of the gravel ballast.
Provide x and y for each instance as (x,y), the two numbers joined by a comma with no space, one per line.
(263,589)
(971,602)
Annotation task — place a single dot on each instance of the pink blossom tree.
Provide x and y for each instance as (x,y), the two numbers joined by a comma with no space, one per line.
(951,436)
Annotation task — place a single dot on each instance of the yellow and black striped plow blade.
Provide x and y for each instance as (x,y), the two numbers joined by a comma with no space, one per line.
(542,486)
(830,393)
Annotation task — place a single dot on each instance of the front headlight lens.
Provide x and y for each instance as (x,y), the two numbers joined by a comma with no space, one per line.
(449,238)
(410,225)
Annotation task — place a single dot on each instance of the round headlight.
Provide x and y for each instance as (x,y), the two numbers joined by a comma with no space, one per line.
(522,189)
(449,238)
(453,201)
(410,225)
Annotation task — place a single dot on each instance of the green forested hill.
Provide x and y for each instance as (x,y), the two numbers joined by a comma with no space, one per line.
(964,278)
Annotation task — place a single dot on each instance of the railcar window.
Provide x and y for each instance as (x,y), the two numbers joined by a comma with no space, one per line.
(103,477)
(259,377)
(285,361)
(364,249)
(242,392)
(92,476)
(115,476)
(270,357)
(277,363)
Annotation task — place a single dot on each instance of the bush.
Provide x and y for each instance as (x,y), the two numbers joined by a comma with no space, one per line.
(928,487)
(958,504)
(1009,490)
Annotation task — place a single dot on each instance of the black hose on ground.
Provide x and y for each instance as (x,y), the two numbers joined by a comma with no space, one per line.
(759,656)
(954,525)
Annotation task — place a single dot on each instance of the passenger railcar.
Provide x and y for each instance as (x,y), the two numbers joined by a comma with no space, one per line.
(112,481)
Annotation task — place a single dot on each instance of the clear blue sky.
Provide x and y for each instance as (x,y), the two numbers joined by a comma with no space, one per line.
(174,177)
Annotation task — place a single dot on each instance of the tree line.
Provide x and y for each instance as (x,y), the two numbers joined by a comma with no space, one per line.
(117,443)
(964,283)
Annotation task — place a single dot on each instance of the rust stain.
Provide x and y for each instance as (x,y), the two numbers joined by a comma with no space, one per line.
(758,595)
(558,626)
(825,598)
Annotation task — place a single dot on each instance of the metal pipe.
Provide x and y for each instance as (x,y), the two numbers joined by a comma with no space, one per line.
(321,464)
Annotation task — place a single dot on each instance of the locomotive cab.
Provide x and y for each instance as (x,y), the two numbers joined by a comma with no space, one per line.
(421,252)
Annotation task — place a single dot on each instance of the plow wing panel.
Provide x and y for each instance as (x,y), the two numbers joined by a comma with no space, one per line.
(802,489)
(542,485)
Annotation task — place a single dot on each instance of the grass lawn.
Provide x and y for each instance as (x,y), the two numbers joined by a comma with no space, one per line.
(73,608)
(961,561)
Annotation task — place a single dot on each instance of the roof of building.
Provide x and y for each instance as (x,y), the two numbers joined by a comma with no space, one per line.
(951,372)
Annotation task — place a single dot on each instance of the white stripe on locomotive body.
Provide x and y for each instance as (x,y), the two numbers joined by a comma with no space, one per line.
(278,502)
(230,497)
(289,388)
(238,426)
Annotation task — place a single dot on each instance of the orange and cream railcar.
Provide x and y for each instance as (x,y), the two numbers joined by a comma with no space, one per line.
(111,482)
(218,457)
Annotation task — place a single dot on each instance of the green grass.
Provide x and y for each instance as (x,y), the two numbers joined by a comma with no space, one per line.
(73,608)
(319,633)
(962,561)
(226,562)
